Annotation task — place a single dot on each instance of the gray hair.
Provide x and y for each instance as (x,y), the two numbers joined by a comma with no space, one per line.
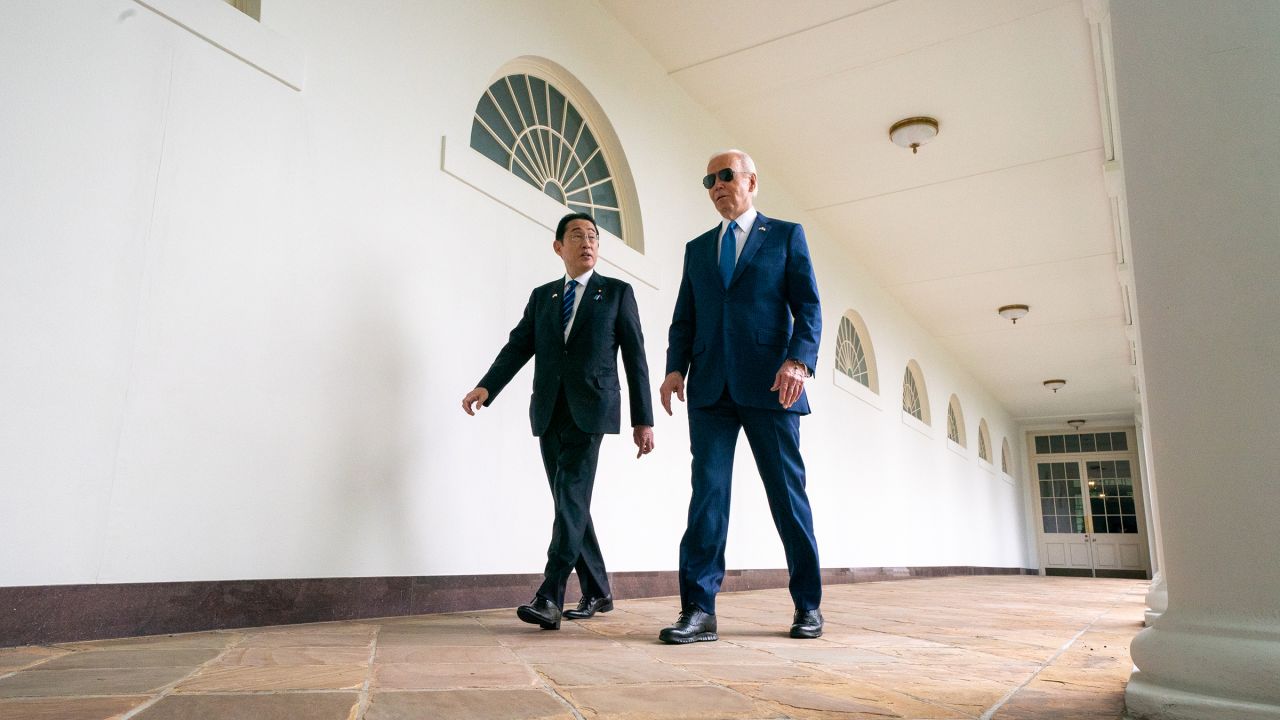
(745,163)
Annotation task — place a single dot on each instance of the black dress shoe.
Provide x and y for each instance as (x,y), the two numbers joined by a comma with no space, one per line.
(541,612)
(590,606)
(807,624)
(693,626)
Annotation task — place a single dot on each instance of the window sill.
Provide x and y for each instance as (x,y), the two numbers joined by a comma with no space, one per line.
(917,425)
(957,448)
(238,35)
(856,389)
(473,169)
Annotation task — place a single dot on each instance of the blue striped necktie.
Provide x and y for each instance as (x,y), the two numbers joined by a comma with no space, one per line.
(728,252)
(566,310)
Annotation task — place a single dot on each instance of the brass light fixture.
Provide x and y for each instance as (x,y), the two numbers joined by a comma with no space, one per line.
(1076,423)
(913,132)
(1013,312)
(1056,384)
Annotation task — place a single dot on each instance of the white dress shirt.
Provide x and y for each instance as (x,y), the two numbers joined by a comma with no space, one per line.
(745,221)
(577,298)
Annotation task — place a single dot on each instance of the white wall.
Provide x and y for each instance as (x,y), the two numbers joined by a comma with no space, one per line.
(238,319)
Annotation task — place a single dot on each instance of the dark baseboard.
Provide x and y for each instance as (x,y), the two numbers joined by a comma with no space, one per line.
(68,613)
(1115,574)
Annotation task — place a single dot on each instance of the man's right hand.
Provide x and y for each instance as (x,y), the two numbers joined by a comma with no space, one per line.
(674,383)
(475,400)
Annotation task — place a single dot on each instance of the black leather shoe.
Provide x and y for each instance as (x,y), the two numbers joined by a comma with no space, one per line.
(590,606)
(693,626)
(807,624)
(541,612)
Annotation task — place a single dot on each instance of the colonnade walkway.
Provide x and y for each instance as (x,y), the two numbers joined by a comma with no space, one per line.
(1002,647)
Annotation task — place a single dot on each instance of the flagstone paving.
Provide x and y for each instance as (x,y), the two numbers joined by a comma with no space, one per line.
(988,647)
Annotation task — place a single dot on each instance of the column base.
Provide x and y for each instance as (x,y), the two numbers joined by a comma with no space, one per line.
(1148,701)
(1157,598)
(1197,671)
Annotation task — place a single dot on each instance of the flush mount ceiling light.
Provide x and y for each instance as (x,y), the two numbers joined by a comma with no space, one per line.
(1055,385)
(1013,312)
(1076,424)
(913,132)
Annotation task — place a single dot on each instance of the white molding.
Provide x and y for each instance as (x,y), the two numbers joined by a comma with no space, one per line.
(856,389)
(957,448)
(237,34)
(487,177)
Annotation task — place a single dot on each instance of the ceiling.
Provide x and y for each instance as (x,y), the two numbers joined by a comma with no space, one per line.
(1007,205)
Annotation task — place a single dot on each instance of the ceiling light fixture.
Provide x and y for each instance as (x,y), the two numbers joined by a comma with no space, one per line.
(913,132)
(1076,423)
(1055,385)
(1013,312)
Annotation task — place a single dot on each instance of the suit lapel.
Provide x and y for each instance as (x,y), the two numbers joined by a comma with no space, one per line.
(754,241)
(555,308)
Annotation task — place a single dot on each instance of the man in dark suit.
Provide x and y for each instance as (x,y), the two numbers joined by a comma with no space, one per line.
(573,328)
(745,331)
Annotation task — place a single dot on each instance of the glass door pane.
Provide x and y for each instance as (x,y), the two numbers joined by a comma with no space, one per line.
(1061,502)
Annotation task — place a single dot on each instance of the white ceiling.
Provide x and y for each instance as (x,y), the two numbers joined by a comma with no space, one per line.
(1007,204)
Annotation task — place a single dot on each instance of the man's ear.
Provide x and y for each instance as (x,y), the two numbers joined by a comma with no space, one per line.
(556,245)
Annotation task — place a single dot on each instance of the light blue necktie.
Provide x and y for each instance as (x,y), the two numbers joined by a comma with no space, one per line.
(566,310)
(728,251)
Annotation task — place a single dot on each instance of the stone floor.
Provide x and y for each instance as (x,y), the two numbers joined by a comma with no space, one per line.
(1002,647)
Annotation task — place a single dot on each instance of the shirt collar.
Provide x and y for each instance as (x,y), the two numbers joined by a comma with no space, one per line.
(745,221)
(582,279)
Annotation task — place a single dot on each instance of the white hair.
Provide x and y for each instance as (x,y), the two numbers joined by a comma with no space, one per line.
(745,162)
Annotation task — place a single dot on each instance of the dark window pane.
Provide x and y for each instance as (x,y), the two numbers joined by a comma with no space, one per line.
(1046,506)
(1073,443)
(1073,488)
(1050,523)
(609,220)
(1098,507)
(539,88)
(1129,523)
(484,143)
(1104,442)
(1100,525)
(1119,441)
(1077,506)
(1046,487)
(1095,470)
(1042,444)
(1124,489)
(1078,523)
(556,116)
(1059,471)
(1062,507)
(520,90)
(1113,505)
(603,194)
(586,145)
(1086,443)
(1057,444)
(1073,471)
(1122,469)
(1060,488)
(1108,469)
(1043,470)
(1127,506)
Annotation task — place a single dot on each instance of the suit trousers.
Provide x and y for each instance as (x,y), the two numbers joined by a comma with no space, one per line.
(570,456)
(774,437)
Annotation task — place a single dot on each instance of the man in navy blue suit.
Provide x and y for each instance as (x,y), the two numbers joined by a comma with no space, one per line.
(745,333)
(573,328)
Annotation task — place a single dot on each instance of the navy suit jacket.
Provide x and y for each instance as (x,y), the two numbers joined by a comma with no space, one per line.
(586,364)
(740,336)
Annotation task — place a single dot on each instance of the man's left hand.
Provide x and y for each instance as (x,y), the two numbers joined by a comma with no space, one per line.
(643,436)
(789,382)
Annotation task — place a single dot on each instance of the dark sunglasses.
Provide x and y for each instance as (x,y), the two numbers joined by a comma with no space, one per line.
(725,175)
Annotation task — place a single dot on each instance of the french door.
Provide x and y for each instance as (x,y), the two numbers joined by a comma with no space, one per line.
(1090,517)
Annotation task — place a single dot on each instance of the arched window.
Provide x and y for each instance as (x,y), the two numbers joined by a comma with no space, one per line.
(544,128)
(984,441)
(855,358)
(915,397)
(1004,457)
(955,422)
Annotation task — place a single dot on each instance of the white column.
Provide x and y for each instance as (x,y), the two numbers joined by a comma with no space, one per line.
(1198,88)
